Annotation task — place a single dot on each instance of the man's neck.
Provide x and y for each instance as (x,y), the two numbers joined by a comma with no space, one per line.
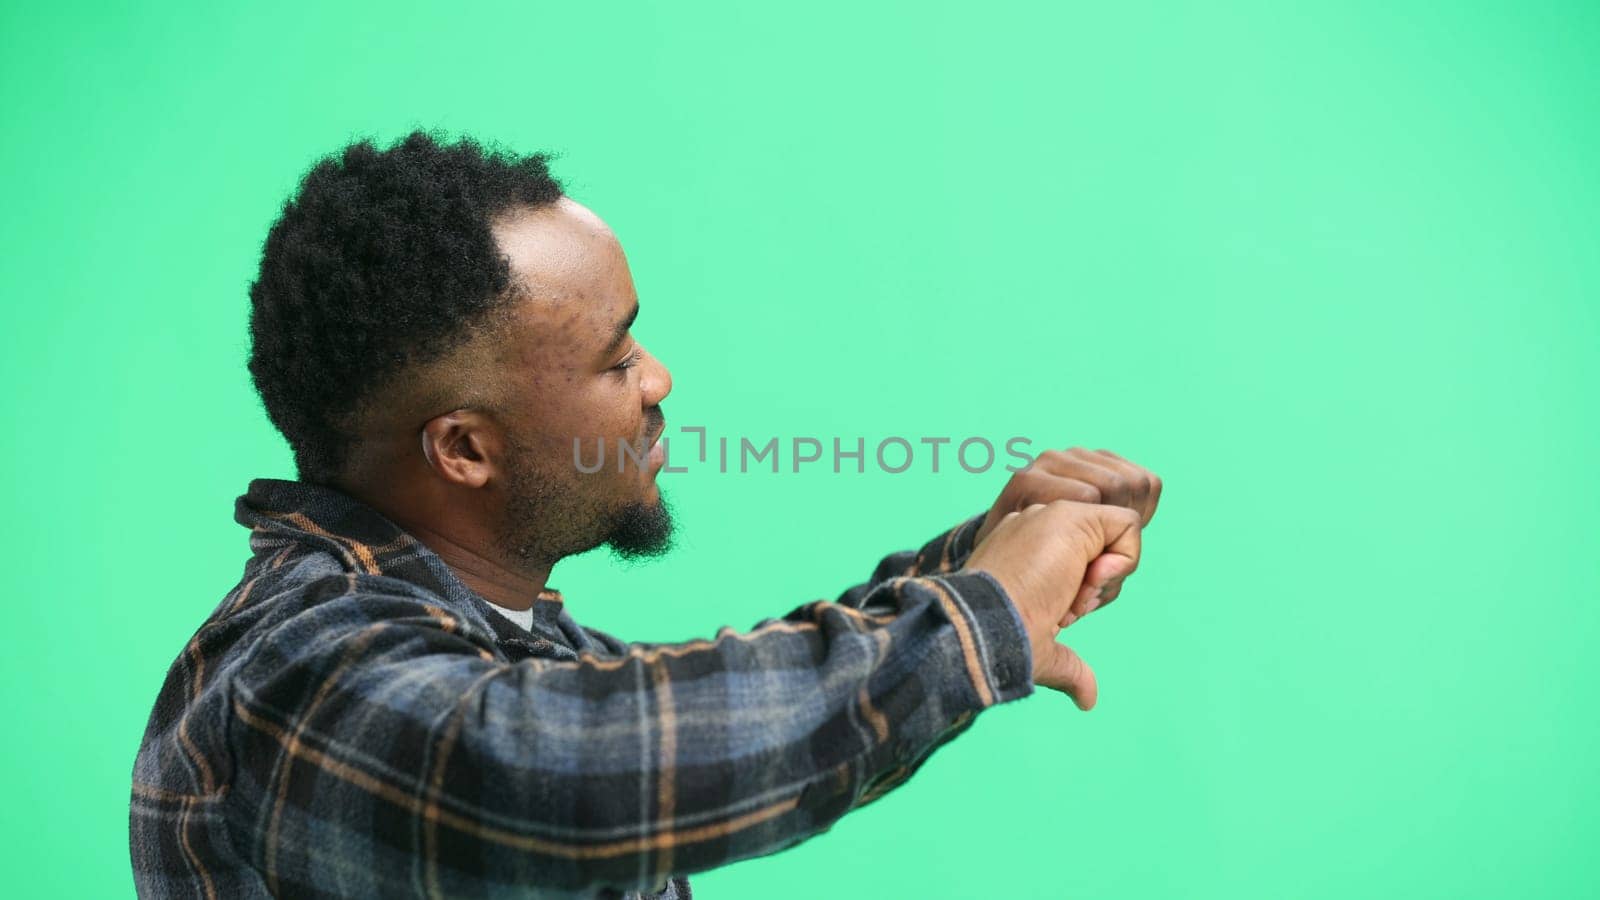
(454,540)
(486,577)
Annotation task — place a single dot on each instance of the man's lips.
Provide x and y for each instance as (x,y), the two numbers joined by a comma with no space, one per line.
(654,449)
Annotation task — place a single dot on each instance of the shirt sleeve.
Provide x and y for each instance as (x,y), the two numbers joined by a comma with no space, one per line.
(945,553)
(382,737)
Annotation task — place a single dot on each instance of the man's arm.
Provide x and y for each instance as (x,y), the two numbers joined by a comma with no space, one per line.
(384,724)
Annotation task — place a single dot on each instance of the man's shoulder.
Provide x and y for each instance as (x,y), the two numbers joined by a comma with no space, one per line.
(309,605)
(320,594)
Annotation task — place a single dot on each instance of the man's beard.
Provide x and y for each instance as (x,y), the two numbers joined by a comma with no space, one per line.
(546,520)
(642,530)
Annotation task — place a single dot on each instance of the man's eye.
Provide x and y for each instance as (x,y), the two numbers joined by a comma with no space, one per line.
(631,361)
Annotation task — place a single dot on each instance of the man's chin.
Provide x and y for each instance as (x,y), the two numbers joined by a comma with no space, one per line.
(642,530)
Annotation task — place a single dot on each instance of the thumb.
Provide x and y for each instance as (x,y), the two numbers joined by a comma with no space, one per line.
(1105,571)
(1064,670)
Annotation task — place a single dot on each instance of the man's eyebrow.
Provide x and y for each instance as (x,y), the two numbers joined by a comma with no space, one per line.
(621,332)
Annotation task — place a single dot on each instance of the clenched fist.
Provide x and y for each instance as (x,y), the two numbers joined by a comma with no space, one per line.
(1087,476)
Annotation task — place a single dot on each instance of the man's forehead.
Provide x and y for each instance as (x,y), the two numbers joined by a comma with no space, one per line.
(569,271)
(561,244)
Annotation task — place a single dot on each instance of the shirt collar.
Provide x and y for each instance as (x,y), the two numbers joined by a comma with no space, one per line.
(368,543)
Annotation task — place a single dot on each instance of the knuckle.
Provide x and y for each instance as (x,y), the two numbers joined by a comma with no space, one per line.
(1029,477)
(1045,457)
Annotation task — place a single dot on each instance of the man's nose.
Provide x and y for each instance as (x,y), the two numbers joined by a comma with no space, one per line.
(657,380)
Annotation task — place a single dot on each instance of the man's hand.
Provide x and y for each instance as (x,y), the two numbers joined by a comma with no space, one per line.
(1045,556)
(1086,476)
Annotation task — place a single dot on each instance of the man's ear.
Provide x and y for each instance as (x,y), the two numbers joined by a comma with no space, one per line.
(462,447)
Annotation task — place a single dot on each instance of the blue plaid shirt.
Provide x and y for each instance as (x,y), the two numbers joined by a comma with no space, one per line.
(353,721)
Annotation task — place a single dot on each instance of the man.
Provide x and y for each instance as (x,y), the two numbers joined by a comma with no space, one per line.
(393,702)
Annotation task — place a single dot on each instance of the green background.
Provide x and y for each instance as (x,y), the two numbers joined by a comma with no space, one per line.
(1330,270)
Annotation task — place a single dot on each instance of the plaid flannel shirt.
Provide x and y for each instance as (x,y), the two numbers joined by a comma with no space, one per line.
(353,721)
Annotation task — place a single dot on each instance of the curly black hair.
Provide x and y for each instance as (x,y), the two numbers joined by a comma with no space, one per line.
(383,259)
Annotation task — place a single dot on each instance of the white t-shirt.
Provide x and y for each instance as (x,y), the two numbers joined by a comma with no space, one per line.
(523,617)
